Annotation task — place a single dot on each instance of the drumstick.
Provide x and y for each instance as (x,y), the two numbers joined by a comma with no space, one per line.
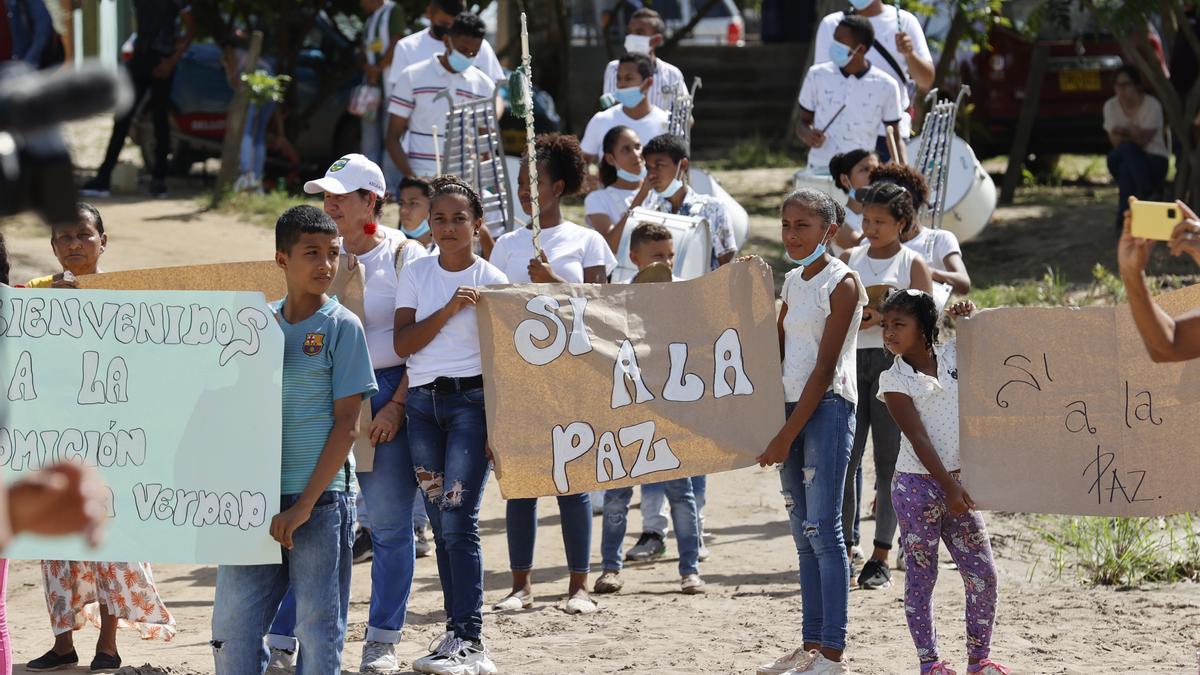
(893,152)
(833,119)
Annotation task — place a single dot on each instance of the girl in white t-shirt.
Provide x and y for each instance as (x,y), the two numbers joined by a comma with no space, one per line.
(921,392)
(883,264)
(818,330)
(851,171)
(570,254)
(623,174)
(938,247)
(447,429)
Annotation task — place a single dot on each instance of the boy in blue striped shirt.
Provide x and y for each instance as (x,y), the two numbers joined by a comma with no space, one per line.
(326,375)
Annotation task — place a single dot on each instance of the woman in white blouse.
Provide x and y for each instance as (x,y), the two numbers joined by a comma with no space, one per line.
(1134,123)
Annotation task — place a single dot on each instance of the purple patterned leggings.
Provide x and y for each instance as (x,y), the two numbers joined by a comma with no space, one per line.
(924,519)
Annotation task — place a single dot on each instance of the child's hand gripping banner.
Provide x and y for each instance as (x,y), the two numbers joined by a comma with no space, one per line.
(1062,411)
(603,386)
(173,397)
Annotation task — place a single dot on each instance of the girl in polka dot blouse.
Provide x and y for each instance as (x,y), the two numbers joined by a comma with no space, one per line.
(921,393)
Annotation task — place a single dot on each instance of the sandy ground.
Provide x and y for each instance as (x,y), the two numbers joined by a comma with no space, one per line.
(751,612)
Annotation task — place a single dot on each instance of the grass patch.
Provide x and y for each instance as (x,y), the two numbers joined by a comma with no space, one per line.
(754,153)
(260,209)
(1125,552)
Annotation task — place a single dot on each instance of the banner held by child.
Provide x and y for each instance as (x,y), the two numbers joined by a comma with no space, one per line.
(173,397)
(603,386)
(1063,412)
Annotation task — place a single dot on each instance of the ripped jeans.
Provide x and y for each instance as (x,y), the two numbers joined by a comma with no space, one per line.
(447,435)
(813,478)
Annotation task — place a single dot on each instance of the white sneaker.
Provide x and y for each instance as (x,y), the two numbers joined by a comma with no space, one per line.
(379,657)
(421,665)
(691,584)
(796,661)
(460,657)
(282,659)
(823,666)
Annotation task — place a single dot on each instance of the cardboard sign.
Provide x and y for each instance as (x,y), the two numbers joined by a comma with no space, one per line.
(263,277)
(602,386)
(173,397)
(1062,411)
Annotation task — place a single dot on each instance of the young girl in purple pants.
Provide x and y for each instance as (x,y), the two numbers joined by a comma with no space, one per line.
(921,393)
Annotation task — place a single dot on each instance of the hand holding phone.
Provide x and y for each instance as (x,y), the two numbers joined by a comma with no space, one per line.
(1154,220)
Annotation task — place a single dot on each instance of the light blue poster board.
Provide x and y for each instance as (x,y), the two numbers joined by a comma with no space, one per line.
(173,396)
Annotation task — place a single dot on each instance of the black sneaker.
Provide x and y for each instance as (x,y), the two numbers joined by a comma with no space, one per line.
(363,549)
(51,661)
(874,575)
(158,188)
(96,187)
(105,663)
(421,546)
(649,546)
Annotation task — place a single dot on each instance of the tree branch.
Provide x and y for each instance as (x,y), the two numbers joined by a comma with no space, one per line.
(1184,26)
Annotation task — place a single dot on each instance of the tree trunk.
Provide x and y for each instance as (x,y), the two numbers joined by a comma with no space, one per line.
(235,122)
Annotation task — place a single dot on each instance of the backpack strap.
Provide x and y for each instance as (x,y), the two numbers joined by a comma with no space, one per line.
(887,56)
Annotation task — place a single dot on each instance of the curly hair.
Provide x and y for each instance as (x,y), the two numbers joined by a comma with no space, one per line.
(906,177)
(453,185)
(563,159)
(895,198)
(920,306)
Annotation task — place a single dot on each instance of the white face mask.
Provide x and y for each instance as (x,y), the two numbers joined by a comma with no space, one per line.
(637,44)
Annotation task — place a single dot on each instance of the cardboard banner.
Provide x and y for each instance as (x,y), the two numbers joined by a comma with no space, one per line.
(263,277)
(602,386)
(1062,411)
(174,397)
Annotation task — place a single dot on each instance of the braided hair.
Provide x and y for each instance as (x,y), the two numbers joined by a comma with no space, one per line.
(906,177)
(920,306)
(895,198)
(453,185)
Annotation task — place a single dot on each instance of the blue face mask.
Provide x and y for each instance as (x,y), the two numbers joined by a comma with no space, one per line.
(860,5)
(840,54)
(808,259)
(631,177)
(672,189)
(629,97)
(852,191)
(421,230)
(458,62)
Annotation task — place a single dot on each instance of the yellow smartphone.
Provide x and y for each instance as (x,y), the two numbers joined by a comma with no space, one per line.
(1154,220)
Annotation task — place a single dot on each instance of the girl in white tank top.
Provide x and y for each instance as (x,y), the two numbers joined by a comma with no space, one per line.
(822,307)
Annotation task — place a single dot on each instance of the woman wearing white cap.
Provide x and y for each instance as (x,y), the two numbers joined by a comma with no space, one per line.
(354,194)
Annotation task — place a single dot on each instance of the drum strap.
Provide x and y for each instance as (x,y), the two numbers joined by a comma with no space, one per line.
(887,56)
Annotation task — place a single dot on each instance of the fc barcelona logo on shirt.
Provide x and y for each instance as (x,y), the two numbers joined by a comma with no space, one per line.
(313,343)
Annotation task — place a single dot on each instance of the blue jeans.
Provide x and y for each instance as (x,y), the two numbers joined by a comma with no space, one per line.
(447,435)
(575,511)
(1137,172)
(254,139)
(654,505)
(318,569)
(389,490)
(813,479)
(683,516)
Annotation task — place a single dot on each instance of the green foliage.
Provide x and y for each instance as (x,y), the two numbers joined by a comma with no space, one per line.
(260,209)
(265,87)
(981,17)
(1126,551)
(753,153)
(1051,291)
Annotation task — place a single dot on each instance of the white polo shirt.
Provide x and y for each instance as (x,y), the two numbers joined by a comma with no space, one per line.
(415,97)
(886,25)
(665,76)
(422,46)
(871,98)
(653,124)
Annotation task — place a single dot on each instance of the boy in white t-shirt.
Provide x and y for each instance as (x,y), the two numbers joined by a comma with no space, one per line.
(643,36)
(844,101)
(899,50)
(635,79)
(426,44)
(423,94)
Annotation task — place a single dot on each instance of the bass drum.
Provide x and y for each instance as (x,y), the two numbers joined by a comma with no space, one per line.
(970,192)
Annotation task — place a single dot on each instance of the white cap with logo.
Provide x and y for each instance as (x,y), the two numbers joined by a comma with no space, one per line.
(350,173)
